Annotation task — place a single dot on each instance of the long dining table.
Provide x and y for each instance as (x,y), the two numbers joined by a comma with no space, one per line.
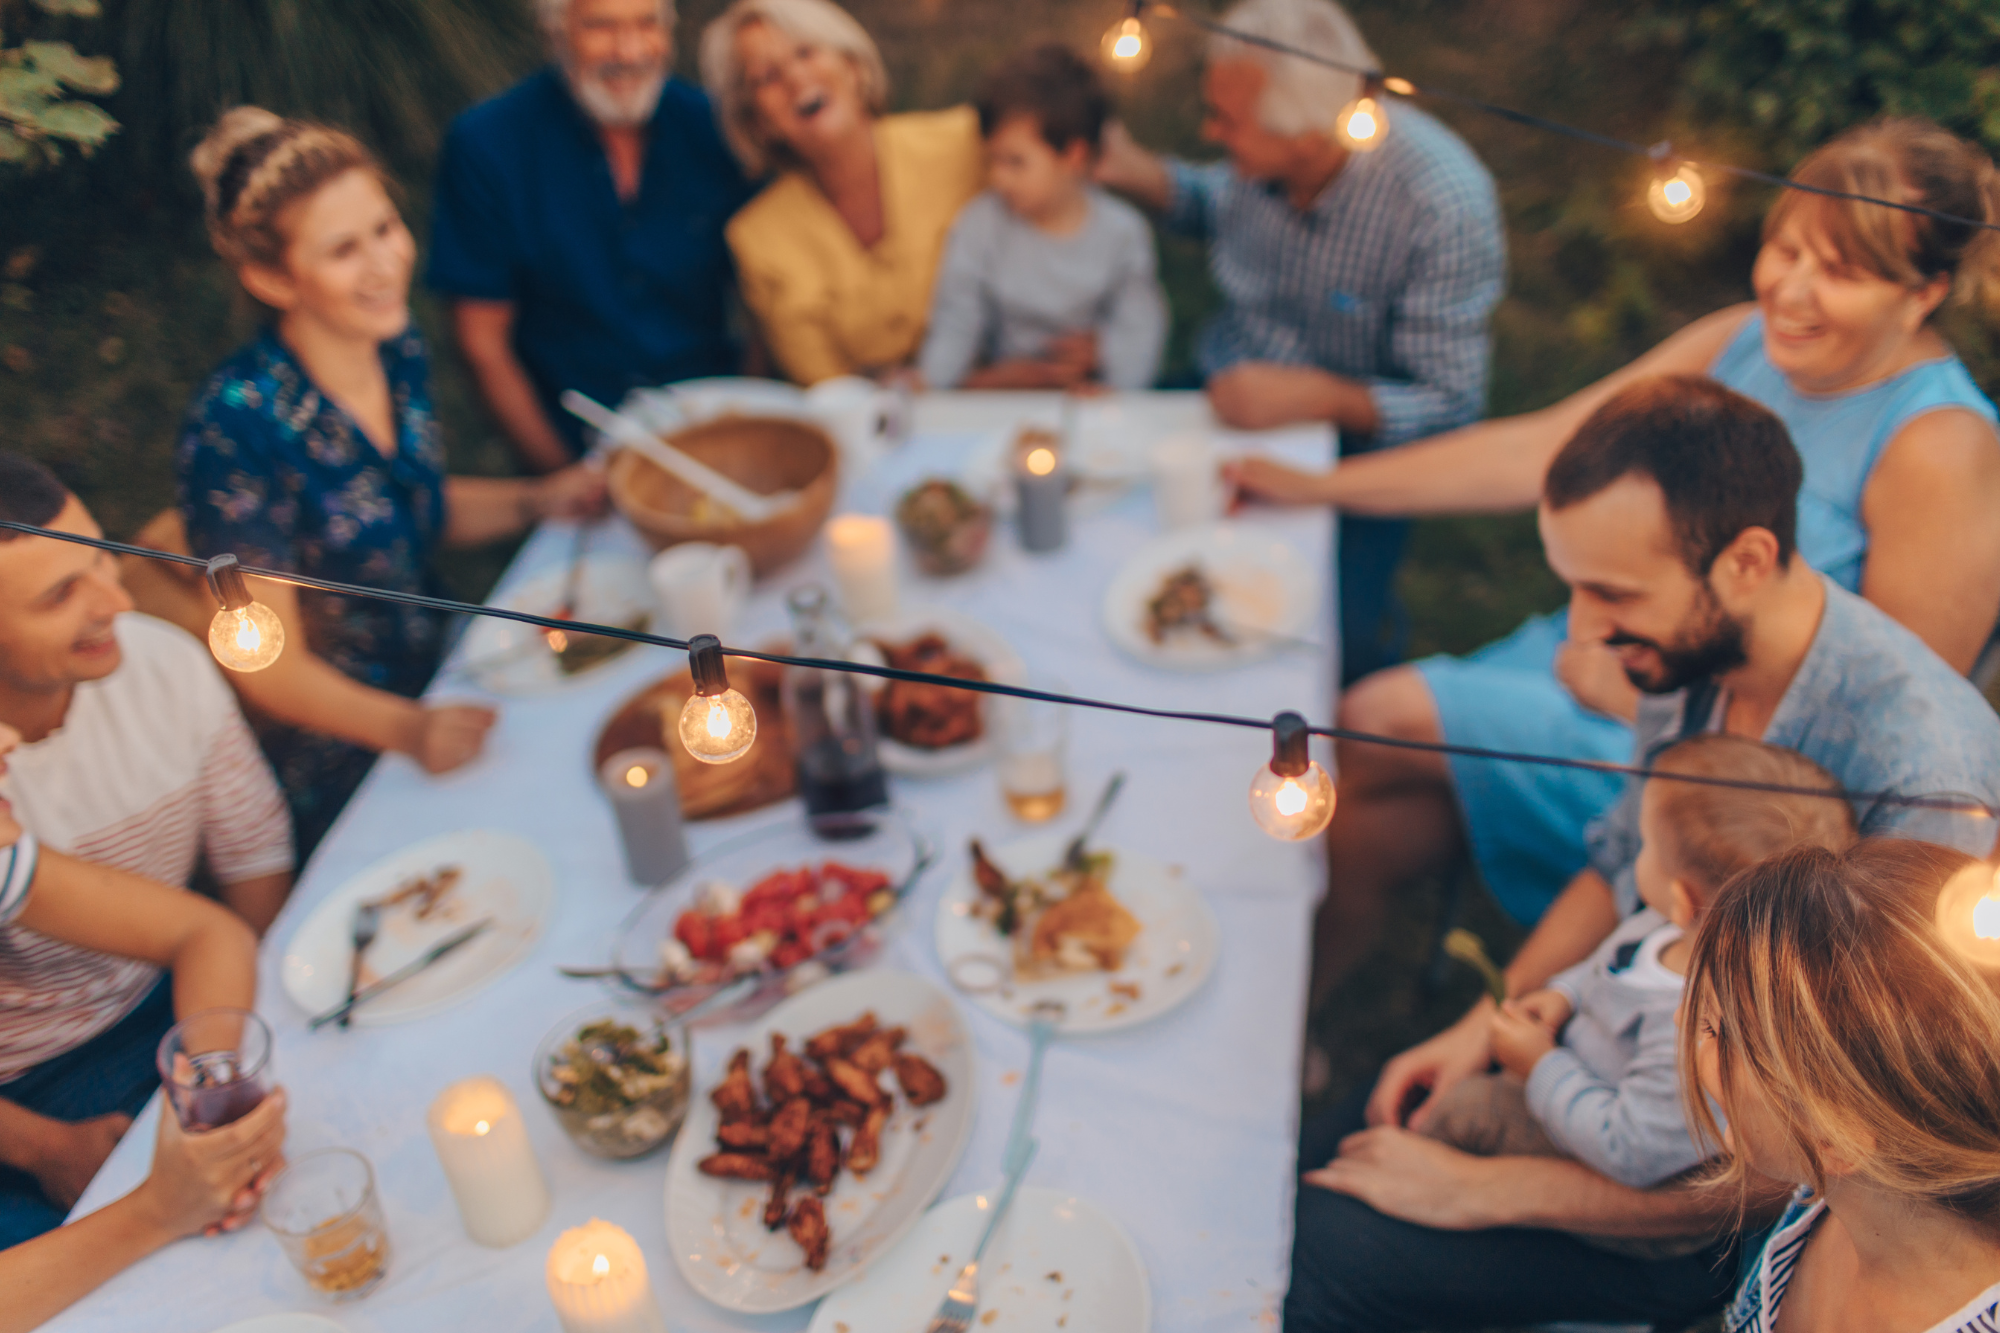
(1183,1129)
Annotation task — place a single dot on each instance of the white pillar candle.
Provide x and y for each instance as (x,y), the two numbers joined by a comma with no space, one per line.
(862,549)
(597,1281)
(483,1146)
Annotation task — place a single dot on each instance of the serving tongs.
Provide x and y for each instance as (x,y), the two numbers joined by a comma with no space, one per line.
(630,434)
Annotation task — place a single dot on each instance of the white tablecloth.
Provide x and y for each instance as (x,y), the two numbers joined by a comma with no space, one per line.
(1183,1130)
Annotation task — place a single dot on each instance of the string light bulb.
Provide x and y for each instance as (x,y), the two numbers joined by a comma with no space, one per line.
(1127,47)
(1677,191)
(1291,797)
(1968,914)
(1362,125)
(717,723)
(245,635)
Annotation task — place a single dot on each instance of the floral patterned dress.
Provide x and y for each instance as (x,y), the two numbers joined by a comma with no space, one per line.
(278,474)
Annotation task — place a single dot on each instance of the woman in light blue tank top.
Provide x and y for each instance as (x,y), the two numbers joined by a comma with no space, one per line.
(1839,345)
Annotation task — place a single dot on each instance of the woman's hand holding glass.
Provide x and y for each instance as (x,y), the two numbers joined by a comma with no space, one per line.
(210,1182)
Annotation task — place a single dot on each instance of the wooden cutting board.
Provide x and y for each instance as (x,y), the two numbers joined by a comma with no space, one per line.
(762,777)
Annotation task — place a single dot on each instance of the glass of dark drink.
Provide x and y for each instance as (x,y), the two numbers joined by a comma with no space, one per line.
(215,1066)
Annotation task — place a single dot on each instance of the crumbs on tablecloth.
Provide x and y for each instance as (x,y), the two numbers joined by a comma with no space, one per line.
(1128,989)
(1055,1276)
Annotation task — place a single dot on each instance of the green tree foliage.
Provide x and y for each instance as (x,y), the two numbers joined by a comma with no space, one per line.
(38,114)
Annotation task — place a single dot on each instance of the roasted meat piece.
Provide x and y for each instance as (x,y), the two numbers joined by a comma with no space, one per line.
(788,1129)
(873,1056)
(837,1042)
(747,1135)
(845,1112)
(820,1088)
(1185,601)
(808,1228)
(921,1082)
(736,1095)
(785,1076)
(856,1083)
(822,1155)
(930,717)
(737,1166)
(780,1202)
(866,1150)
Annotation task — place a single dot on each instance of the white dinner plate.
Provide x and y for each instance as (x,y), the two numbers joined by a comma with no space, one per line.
(508,657)
(715,1227)
(976,641)
(504,878)
(1264,588)
(1057,1264)
(284,1323)
(1173,955)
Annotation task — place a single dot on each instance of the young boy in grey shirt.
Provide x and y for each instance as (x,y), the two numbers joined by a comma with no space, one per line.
(1592,1069)
(1047,282)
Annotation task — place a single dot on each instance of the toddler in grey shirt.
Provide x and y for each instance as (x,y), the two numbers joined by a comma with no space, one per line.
(1047,282)
(1591,1060)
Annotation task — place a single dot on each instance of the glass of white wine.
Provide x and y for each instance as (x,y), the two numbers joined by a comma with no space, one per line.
(1031,738)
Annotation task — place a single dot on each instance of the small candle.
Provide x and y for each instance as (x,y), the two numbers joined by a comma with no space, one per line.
(862,549)
(483,1146)
(640,786)
(597,1281)
(1043,487)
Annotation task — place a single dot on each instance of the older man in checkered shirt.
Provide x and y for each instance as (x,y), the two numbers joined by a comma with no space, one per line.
(1356,286)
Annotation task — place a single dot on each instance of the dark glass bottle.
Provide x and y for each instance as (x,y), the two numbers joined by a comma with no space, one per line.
(831,719)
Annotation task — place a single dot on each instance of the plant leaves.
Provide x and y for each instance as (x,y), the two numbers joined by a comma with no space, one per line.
(14,149)
(97,75)
(83,123)
(24,92)
(82,9)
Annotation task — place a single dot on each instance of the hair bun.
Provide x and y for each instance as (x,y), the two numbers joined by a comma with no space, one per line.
(238,126)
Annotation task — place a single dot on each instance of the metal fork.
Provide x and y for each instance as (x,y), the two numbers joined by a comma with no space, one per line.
(961,1303)
(367,924)
(1043,1020)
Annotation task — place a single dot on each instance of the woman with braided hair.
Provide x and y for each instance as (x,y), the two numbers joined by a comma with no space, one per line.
(314,450)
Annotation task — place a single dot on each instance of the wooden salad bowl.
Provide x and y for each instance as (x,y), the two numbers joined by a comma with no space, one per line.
(766,454)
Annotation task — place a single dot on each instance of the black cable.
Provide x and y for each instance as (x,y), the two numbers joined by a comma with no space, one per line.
(1656,152)
(1960,805)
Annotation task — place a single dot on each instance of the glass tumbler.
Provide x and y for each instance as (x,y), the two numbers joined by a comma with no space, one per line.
(324,1211)
(215,1066)
(1031,741)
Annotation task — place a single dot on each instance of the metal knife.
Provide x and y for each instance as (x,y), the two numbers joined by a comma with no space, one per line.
(401,974)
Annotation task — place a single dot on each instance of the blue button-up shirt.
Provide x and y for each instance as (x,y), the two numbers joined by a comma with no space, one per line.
(1388,279)
(609,295)
(1873,706)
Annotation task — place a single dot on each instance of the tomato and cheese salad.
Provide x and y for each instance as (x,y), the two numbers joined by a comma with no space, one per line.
(784,919)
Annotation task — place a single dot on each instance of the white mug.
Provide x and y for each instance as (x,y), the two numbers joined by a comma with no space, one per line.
(701,587)
(864,418)
(1187,481)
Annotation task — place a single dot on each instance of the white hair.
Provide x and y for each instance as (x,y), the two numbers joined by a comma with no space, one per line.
(554,14)
(1299,97)
(820,22)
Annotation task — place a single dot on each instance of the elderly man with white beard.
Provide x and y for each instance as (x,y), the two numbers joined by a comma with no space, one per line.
(578,222)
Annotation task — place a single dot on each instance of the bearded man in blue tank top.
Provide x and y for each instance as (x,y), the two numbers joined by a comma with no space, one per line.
(1901,504)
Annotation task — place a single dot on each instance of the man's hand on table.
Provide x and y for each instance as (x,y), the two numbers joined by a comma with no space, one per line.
(63,1155)
(449,736)
(1405,1175)
(1428,1068)
(1256,477)
(1259,395)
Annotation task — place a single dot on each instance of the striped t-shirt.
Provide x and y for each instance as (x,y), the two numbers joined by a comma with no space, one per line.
(17,872)
(152,769)
(1755,1309)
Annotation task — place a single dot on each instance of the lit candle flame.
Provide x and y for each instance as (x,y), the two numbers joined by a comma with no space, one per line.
(1041,462)
(483,1127)
(600,1265)
(636,776)
(1986,918)
(1290,798)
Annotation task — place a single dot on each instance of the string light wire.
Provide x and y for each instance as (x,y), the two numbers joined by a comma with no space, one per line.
(1955,804)
(1658,153)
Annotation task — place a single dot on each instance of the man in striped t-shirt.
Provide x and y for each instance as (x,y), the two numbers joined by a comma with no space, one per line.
(1355,286)
(135,756)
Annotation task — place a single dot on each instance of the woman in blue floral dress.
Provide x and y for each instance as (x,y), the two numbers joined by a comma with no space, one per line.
(314,450)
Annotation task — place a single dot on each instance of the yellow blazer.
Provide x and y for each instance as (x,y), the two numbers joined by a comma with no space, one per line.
(828,307)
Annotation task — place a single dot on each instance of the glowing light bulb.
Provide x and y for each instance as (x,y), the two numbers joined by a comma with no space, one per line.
(1291,797)
(600,1266)
(1126,46)
(717,724)
(1041,462)
(1968,914)
(246,638)
(1678,197)
(1362,126)
(637,776)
